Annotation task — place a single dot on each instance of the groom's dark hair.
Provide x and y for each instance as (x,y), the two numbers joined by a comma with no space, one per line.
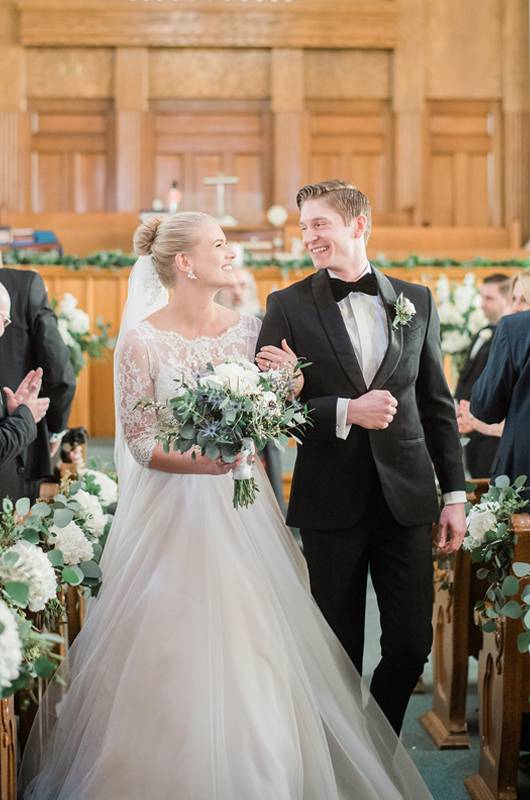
(345,198)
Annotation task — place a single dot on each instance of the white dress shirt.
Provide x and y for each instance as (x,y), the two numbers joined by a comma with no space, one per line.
(366,322)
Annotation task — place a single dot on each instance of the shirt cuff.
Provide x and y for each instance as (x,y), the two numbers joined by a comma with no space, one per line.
(450,498)
(342,428)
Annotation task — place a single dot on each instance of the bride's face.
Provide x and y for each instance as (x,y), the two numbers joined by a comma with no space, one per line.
(211,258)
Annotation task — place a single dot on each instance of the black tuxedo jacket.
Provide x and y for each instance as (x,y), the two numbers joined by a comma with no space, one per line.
(472,369)
(503,392)
(480,450)
(31,341)
(17,431)
(332,477)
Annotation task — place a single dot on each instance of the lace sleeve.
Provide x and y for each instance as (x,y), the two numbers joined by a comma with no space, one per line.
(253,328)
(135,383)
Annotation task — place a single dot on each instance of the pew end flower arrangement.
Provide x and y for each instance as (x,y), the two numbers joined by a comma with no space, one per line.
(44,548)
(228,409)
(74,327)
(461,316)
(490,540)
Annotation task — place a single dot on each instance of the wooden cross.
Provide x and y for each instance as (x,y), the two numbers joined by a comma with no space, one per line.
(220,182)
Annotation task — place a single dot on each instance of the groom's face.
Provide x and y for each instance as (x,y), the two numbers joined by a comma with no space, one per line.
(330,242)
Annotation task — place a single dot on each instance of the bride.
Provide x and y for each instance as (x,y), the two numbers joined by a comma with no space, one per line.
(205,670)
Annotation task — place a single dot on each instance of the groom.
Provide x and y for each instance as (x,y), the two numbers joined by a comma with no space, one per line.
(363,492)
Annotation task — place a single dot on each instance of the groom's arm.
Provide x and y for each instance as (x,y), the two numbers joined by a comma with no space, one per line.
(437,411)
(276,327)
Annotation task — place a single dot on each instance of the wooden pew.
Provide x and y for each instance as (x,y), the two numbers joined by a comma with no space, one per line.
(504,686)
(8,750)
(456,638)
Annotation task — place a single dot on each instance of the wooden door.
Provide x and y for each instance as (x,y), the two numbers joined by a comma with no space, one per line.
(352,141)
(71,156)
(463,179)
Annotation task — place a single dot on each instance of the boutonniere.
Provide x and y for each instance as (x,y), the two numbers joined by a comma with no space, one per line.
(404,311)
(485,334)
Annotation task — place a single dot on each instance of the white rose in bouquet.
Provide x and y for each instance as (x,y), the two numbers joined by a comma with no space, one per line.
(67,305)
(238,377)
(34,568)
(108,488)
(91,512)
(10,647)
(479,521)
(72,543)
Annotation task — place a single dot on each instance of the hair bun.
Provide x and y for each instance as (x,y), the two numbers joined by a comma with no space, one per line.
(145,235)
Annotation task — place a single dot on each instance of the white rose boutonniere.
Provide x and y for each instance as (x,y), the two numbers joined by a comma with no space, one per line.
(405,310)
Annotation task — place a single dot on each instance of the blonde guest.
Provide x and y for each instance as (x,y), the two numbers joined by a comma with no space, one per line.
(521,292)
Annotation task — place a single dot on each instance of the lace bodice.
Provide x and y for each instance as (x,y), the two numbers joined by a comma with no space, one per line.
(151,362)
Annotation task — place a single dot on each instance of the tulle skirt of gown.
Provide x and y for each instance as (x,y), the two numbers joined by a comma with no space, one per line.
(205,670)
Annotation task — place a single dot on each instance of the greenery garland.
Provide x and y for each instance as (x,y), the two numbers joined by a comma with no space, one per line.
(116,259)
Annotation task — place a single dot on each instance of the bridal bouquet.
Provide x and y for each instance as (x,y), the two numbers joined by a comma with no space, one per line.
(229,409)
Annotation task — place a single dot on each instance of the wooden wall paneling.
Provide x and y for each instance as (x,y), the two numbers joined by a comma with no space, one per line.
(463,181)
(289,124)
(354,139)
(131,103)
(72,156)
(192,140)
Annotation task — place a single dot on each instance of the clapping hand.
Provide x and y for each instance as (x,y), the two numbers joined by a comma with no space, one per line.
(27,394)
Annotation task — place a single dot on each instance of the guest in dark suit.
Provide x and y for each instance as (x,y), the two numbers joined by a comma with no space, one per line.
(363,492)
(19,413)
(32,340)
(495,297)
(503,393)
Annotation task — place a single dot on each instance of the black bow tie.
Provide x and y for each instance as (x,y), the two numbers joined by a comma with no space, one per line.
(341,289)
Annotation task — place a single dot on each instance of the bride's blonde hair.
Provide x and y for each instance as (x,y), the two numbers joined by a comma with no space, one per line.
(164,238)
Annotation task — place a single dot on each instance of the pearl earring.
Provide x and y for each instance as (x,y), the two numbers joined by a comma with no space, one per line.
(191,275)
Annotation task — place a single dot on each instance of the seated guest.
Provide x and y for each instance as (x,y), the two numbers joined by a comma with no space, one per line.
(521,292)
(19,413)
(495,298)
(32,340)
(502,392)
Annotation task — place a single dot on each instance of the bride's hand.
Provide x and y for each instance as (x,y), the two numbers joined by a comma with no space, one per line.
(218,466)
(270,357)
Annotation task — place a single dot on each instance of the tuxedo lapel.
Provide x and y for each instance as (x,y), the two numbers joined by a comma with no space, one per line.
(395,335)
(335,329)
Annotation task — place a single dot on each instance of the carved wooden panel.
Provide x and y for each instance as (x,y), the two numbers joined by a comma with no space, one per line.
(463,183)
(352,141)
(71,156)
(69,72)
(209,73)
(348,74)
(194,140)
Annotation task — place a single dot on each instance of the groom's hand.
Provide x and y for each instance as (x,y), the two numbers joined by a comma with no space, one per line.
(451,528)
(374,410)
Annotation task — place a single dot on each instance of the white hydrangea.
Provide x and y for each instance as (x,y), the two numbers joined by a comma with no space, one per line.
(91,512)
(450,315)
(67,304)
(476,321)
(79,321)
(465,297)
(455,341)
(62,326)
(72,543)
(108,493)
(10,647)
(443,290)
(34,568)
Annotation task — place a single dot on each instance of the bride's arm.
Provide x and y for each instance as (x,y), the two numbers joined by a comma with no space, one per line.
(139,424)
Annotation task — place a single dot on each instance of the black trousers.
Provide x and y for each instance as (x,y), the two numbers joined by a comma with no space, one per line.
(401,568)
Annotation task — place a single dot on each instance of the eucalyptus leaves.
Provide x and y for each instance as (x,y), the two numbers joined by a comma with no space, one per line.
(490,540)
(44,547)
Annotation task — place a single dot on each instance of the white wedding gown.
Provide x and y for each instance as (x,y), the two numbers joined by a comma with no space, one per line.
(205,670)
